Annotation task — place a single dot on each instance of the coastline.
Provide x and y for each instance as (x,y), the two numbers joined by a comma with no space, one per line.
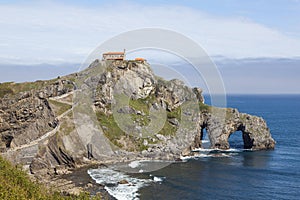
(75,181)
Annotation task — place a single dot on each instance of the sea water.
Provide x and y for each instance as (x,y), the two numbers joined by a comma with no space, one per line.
(232,174)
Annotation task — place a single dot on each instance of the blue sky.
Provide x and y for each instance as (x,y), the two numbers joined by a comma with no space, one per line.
(63,33)
(278,14)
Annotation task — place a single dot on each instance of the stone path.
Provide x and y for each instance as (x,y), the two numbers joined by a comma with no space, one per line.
(50,133)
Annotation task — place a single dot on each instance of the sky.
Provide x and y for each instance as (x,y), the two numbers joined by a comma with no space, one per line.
(36,35)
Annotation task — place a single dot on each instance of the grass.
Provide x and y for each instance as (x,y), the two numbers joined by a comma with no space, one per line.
(168,129)
(114,133)
(175,113)
(142,105)
(204,107)
(16,184)
(11,88)
(67,124)
(140,119)
(5,89)
(59,107)
(112,130)
(139,104)
(15,88)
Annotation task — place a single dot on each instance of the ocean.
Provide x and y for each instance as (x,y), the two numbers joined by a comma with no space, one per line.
(233,174)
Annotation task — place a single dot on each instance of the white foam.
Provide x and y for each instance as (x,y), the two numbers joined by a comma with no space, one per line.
(123,192)
(158,179)
(139,166)
(185,158)
(231,150)
(201,155)
(203,150)
(134,164)
(205,141)
(128,191)
(110,179)
(205,153)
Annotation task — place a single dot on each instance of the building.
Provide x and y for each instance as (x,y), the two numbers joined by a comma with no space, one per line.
(114,55)
(140,59)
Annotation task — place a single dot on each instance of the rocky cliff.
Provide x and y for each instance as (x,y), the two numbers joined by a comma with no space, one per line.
(121,111)
(27,115)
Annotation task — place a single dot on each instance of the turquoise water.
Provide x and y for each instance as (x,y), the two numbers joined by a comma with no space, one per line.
(273,174)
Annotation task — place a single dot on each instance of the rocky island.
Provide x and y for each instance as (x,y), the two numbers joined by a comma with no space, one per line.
(112,112)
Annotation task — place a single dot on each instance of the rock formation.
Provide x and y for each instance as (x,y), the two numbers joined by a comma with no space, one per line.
(29,115)
(256,134)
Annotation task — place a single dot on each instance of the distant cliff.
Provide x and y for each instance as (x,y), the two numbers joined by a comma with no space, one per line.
(38,127)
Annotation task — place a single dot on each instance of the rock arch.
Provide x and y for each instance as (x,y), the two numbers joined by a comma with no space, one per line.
(256,135)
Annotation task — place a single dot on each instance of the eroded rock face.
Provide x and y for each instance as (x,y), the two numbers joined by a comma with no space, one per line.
(27,116)
(256,134)
(174,93)
(122,77)
(50,157)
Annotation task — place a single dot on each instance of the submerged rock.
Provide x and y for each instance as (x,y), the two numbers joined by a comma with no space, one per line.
(123,182)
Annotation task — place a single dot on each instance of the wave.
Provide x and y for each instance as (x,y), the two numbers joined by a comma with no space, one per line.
(231,150)
(205,141)
(121,185)
(206,153)
(157,178)
(134,164)
(141,166)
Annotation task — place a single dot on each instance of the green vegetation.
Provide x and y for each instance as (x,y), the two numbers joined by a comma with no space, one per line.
(67,124)
(142,105)
(12,88)
(168,129)
(16,184)
(113,132)
(204,107)
(142,120)
(111,129)
(176,113)
(244,118)
(116,135)
(15,88)
(59,107)
(5,89)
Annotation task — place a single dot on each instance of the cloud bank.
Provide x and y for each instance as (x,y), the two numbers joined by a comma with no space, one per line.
(58,33)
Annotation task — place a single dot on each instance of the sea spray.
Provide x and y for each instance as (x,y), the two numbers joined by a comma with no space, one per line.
(127,190)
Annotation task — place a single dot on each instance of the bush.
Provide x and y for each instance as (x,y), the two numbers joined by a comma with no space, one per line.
(15,184)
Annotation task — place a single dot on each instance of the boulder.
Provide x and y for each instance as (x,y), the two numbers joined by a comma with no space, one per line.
(123,182)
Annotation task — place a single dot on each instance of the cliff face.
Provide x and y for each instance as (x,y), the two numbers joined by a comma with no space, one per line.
(26,116)
(159,119)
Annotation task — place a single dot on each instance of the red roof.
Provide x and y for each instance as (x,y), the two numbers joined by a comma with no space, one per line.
(140,59)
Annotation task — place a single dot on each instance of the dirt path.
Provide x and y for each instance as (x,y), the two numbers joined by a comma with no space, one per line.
(48,134)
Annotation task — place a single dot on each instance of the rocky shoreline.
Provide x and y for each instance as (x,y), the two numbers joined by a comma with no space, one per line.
(74,181)
(62,126)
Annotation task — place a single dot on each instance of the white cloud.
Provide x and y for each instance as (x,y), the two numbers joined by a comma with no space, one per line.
(52,32)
